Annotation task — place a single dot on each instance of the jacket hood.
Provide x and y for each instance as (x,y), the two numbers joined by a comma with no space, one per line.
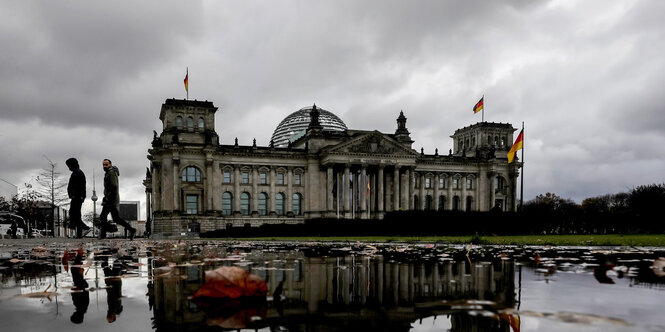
(72,163)
(113,168)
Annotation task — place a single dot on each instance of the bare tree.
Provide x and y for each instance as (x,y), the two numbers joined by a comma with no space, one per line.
(52,188)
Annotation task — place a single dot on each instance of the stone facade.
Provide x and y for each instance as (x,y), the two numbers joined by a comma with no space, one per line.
(195,184)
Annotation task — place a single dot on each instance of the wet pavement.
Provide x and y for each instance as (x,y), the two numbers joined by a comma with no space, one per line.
(145,285)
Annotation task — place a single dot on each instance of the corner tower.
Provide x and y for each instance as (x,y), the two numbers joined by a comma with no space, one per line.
(483,140)
(187,122)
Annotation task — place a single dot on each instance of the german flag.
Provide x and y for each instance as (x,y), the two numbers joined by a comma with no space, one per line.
(516,146)
(479,106)
(187,80)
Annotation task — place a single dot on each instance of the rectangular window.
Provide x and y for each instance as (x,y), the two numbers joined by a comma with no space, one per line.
(469,183)
(428,183)
(416,181)
(297,179)
(245,177)
(442,183)
(192,204)
(455,183)
(263,178)
(227,177)
(280,178)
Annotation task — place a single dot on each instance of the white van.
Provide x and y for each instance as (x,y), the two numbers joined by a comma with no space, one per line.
(6,220)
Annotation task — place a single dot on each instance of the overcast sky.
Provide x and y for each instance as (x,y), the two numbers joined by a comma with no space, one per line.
(87,79)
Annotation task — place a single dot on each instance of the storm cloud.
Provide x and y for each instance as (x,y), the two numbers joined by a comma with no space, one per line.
(88,79)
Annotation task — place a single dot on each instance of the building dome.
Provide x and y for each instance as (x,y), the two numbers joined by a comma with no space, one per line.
(295,125)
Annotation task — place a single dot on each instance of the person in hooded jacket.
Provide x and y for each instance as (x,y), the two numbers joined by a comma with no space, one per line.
(76,192)
(111,201)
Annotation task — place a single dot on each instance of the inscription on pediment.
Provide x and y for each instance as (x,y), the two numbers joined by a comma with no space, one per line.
(375,145)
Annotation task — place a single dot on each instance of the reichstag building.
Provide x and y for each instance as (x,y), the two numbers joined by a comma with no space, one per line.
(316,167)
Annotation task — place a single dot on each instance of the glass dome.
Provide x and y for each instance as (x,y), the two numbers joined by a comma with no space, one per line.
(295,125)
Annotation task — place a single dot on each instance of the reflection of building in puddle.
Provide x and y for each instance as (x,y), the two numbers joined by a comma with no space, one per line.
(346,291)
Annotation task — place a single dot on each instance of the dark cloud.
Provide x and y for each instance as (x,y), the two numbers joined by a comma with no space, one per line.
(88,80)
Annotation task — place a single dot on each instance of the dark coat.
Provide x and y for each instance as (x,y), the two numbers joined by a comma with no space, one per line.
(111,192)
(76,186)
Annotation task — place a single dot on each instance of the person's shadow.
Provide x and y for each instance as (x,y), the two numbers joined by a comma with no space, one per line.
(113,282)
(80,294)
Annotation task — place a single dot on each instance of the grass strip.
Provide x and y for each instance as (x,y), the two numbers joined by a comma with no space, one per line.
(638,240)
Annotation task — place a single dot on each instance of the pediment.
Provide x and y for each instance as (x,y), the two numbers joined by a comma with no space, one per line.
(374,143)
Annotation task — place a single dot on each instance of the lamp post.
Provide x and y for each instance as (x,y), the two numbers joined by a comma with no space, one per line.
(94,203)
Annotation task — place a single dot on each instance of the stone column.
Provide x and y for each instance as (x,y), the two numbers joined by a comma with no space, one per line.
(476,196)
(481,189)
(406,189)
(165,178)
(273,193)
(411,188)
(422,191)
(255,190)
(209,179)
(379,185)
(463,200)
(156,186)
(449,179)
(176,184)
(329,189)
(492,189)
(363,190)
(396,181)
(435,199)
(236,189)
(346,187)
(289,191)
(148,214)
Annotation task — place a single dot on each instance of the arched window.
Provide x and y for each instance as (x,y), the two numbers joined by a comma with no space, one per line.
(469,201)
(456,203)
(201,123)
(297,202)
(442,203)
(244,204)
(190,123)
(178,121)
(263,204)
(279,204)
(428,202)
(416,202)
(227,203)
(489,139)
(191,174)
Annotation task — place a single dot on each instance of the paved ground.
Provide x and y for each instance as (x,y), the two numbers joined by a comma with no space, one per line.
(12,245)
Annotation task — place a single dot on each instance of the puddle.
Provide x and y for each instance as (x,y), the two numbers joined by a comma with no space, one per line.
(148,285)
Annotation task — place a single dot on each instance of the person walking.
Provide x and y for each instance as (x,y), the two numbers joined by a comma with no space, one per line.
(111,201)
(76,192)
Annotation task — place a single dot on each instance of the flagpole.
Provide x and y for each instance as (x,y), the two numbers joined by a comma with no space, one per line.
(483,110)
(522,177)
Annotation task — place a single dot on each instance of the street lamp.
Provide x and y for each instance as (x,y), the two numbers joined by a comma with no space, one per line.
(94,203)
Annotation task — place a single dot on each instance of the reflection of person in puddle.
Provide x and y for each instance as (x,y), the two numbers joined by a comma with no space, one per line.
(113,290)
(80,295)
